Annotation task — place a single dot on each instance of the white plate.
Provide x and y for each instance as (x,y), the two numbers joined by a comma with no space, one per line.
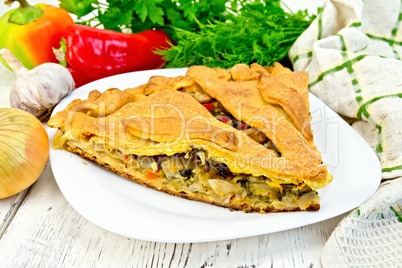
(126,208)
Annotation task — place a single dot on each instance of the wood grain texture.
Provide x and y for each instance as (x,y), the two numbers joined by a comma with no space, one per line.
(8,207)
(47,232)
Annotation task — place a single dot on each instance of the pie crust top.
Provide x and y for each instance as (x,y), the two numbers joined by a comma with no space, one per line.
(165,117)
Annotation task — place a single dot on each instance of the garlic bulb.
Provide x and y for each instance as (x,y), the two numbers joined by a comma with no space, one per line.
(37,91)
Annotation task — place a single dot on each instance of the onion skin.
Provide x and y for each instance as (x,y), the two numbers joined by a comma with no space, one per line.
(24,150)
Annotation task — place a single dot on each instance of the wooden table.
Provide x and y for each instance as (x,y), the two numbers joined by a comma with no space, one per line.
(39,228)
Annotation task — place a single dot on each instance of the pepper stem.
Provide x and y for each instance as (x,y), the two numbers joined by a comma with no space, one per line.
(25,13)
(23,3)
(13,62)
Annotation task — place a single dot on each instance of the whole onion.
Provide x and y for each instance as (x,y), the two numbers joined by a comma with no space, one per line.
(24,150)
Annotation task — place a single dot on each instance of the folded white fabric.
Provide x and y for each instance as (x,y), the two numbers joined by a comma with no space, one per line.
(352,52)
(370,236)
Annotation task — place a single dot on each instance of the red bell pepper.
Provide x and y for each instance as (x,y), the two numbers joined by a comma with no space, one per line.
(93,53)
(209,106)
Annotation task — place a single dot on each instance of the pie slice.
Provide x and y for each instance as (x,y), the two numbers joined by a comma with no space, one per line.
(239,139)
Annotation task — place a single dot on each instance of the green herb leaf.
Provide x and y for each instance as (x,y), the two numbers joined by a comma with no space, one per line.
(79,8)
(114,18)
(141,10)
(156,15)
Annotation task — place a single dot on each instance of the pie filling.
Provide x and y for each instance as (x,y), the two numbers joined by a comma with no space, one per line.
(220,113)
(196,176)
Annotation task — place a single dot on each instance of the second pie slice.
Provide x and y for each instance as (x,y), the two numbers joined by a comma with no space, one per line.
(239,139)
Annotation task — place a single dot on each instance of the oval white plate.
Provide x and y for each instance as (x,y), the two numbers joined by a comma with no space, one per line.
(126,208)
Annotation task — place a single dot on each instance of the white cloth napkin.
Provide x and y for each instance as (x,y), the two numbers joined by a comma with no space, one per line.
(352,52)
(370,236)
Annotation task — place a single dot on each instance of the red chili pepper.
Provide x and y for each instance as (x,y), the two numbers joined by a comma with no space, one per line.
(93,53)
(209,106)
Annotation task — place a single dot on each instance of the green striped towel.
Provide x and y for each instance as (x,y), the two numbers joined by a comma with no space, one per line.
(352,52)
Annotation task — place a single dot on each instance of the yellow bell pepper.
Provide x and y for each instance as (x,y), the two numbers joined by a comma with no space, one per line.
(30,32)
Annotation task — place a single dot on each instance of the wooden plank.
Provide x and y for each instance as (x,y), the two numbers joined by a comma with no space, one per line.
(47,231)
(8,208)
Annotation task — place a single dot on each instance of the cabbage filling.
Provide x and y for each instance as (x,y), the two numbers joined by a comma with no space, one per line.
(195,173)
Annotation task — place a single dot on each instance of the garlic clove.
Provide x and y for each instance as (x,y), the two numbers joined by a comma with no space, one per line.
(37,91)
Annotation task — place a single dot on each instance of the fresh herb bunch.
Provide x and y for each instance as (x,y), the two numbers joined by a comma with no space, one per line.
(140,15)
(216,33)
(260,33)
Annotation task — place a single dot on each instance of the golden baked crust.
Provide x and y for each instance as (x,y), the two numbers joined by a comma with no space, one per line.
(166,117)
